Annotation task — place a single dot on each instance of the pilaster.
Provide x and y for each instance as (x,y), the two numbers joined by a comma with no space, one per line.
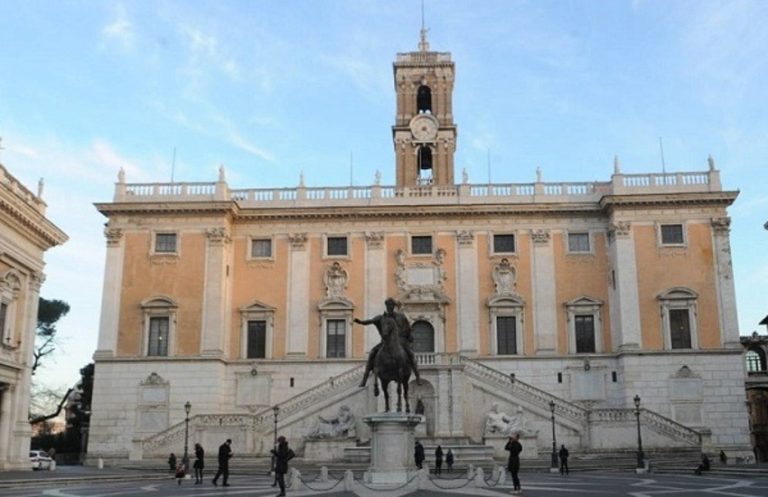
(544,306)
(625,309)
(375,283)
(726,293)
(215,317)
(298,296)
(110,295)
(467,292)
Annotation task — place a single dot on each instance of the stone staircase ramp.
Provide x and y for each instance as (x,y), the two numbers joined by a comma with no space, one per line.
(568,413)
(172,438)
(479,455)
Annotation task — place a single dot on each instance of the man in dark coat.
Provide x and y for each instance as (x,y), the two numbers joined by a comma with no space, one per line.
(563,460)
(225,453)
(438,460)
(514,448)
(418,454)
(199,463)
(282,454)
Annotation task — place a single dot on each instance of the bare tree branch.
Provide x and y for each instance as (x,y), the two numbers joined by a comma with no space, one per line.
(46,417)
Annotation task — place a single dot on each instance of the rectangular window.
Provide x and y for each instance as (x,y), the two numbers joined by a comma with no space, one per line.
(421,244)
(578,242)
(3,317)
(158,336)
(165,242)
(672,234)
(506,335)
(503,244)
(261,248)
(335,338)
(257,340)
(680,328)
(337,245)
(585,333)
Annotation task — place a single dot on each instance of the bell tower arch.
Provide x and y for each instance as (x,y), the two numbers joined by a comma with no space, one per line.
(424,133)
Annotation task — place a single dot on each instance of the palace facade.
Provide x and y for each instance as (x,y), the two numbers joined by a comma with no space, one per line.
(545,299)
(25,235)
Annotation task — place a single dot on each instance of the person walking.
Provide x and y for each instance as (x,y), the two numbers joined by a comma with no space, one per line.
(199,463)
(172,462)
(513,464)
(438,460)
(418,454)
(449,460)
(563,460)
(282,454)
(225,453)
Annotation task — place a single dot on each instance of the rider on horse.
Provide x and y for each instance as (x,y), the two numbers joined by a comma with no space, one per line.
(404,331)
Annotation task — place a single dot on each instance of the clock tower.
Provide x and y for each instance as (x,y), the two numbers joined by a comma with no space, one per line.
(424,133)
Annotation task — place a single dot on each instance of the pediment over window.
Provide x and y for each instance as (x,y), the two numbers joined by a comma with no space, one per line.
(685,372)
(11,281)
(584,301)
(336,304)
(154,379)
(678,293)
(256,306)
(159,302)
(506,301)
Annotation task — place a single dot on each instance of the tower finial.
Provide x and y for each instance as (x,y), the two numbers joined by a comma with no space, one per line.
(423,44)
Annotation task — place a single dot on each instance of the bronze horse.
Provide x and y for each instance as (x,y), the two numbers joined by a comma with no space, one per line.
(391,364)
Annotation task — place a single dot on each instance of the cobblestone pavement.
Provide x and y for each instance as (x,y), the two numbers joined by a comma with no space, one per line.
(534,484)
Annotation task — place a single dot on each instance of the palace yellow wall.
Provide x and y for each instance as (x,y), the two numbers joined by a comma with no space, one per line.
(578,275)
(661,268)
(180,278)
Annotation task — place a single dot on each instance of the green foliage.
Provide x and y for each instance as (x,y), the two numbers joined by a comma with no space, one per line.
(48,314)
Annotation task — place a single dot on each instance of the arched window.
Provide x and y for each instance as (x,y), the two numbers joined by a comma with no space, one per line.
(423,337)
(424,99)
(755,360)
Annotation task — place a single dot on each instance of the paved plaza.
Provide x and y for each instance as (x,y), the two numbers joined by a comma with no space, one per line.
(534,484)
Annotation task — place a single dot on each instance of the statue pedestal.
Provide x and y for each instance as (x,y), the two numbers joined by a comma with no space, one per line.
(498,442)
(326,449)
(392,445)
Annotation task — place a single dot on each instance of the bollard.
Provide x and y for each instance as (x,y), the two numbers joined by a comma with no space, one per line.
(479,478)
(324,474)
(349,480)
(470,471)
(100,463)
(52,467)
(502,476)
(295,480)
(422,479)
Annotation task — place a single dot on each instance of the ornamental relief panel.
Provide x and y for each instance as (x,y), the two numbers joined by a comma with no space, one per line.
(504,277)
(335,279)
(421,281)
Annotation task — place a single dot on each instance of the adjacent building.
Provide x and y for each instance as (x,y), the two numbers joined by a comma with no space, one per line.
(536,299)
(25,235)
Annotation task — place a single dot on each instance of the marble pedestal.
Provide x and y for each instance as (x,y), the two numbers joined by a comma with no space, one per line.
(392,445)
(498,442)
(327,449)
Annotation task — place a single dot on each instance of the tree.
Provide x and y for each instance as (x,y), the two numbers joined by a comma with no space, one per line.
(48,314)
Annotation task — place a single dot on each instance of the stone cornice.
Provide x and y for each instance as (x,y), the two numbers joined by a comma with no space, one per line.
(203,207)
(31,223)
(724,198)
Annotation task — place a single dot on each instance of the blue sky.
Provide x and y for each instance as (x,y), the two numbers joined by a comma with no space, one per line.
(270,89)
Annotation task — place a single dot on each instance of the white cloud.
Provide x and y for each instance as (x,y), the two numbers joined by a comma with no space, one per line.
(120,30)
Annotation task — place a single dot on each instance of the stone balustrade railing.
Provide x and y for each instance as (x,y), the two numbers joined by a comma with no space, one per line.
(11,184)
(262,421)
(389,195)
(653,419)
(521,389)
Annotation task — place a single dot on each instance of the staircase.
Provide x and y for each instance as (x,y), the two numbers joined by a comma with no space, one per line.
(259,422)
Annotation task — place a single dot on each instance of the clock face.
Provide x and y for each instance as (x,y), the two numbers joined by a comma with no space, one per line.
(424,128)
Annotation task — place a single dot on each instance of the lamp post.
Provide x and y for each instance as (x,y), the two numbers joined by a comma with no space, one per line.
(275,412)
(640,455)
(553,465)
(185,459)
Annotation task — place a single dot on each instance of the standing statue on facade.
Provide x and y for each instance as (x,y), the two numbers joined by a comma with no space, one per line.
(341,425)
(392,359)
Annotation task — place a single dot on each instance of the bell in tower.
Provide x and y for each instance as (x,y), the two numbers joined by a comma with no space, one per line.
(424,133)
